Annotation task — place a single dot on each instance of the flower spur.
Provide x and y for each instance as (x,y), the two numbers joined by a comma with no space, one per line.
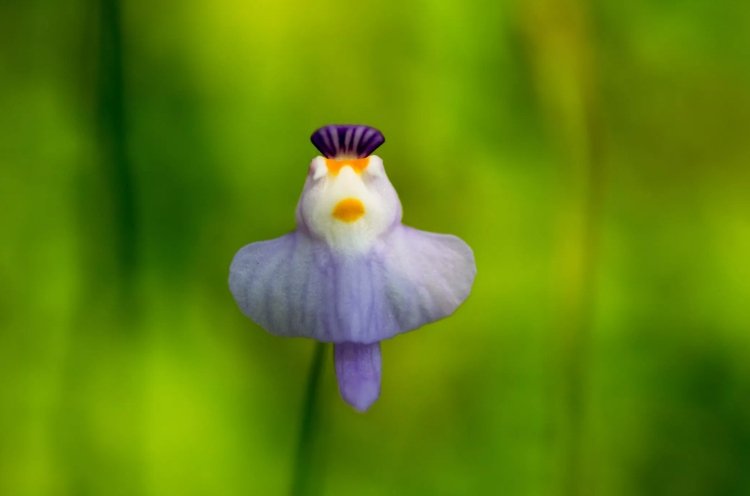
(351,273)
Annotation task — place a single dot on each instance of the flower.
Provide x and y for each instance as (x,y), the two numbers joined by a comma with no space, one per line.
(351,273)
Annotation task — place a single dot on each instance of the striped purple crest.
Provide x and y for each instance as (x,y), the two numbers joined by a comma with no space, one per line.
(347,141)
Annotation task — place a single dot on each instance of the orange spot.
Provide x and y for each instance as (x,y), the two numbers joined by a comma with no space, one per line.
(358,164)
(348,210)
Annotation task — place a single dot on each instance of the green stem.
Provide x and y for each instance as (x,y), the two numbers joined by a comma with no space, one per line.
(113,139)
(303,461)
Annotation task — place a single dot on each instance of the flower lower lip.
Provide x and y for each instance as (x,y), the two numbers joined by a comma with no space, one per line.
(348,210)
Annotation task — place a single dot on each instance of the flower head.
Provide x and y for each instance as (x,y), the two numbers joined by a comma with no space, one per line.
(351,273)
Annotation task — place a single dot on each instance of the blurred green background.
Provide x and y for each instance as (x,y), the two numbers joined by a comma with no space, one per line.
(596,156)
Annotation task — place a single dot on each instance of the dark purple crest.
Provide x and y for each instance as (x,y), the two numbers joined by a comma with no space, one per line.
(347,140)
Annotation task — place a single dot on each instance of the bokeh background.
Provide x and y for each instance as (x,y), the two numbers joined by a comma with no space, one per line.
(595,154)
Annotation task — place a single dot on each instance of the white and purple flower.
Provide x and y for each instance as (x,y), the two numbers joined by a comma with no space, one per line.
(351,273)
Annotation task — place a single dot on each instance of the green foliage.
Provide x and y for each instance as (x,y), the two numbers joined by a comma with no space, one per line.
(595,156)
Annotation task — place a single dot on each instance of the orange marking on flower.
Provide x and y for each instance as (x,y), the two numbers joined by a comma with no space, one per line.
(358,164)
(348,210)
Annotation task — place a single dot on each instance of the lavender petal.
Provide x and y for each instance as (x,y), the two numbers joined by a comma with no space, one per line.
(358,370)
(277,284)
(428,275)
(297,286)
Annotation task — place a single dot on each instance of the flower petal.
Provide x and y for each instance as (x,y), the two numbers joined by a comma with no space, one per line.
(297,286)
(347,140)
(278,284)
(428,275)
(358,372)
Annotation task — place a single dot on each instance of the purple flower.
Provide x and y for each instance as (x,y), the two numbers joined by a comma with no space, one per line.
(351,273)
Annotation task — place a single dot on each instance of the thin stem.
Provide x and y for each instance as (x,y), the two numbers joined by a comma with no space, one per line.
(113,138)
(303,462)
